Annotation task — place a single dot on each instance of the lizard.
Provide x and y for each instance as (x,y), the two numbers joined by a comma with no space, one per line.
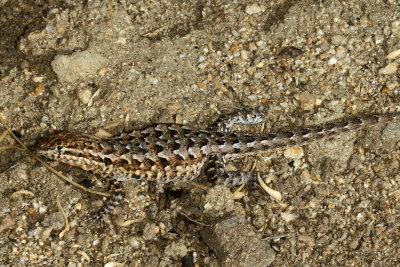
(173,152)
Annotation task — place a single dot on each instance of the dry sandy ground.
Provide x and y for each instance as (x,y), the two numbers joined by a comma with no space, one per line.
(86,66)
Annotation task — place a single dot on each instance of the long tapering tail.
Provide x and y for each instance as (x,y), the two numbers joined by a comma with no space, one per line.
(239,144)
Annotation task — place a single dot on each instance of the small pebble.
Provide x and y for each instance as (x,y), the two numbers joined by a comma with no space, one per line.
(45,118)
(306,177)
(176,249)
(253,9)
(114,264)
(153,81)
(364,21)
(243,55)
(294,152)
(288,217)
(79,65)
(49,28)
(258,75)
(46,233)
(260,44)
(38,79)
(307,101)
(39,89)
(332,61)
(178,119)
(203,65)
(218,201)
(101,72)
(39,206)
(360,217)
(201,59)
(174,106)
(252,46)
(390,68)
(338,40)
(234,48)
(7,223)
(84,95)
(341,52)
(393,54)
(396,194)
(134,242)
(150,231)
(306,239)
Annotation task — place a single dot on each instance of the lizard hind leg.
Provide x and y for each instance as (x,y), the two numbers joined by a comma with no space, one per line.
(241,116)
(216,171)
(236,178)
(117,197)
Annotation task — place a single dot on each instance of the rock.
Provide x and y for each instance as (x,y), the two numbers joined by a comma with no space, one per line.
(390,68)
(390,136)
(150,231)
(294,152)
(253,9)
(236,244)
(381,140)
(332,61)
(218,201)
(341,52)
(393,54)
(7,223)
(84,95)
(307,100)
(332,154)
(288,217)
(338,40)
(176,249)
(79,65)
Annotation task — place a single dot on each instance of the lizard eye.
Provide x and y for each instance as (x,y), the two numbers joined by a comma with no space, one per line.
(59,148)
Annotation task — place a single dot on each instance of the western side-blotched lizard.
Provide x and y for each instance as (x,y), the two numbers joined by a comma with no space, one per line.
(172,152)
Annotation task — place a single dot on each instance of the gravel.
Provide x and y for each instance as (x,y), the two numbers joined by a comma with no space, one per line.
(92,66)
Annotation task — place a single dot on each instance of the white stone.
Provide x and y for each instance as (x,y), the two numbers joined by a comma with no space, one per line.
(79,65)
(253,9)
(84,95)
(390,68)
(287,217)
(332,61)
(393,54)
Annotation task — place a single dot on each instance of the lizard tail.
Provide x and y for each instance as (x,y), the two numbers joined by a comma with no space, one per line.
(246,144)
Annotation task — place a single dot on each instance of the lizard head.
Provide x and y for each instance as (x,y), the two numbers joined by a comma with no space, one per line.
(79,150)
(60,144)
